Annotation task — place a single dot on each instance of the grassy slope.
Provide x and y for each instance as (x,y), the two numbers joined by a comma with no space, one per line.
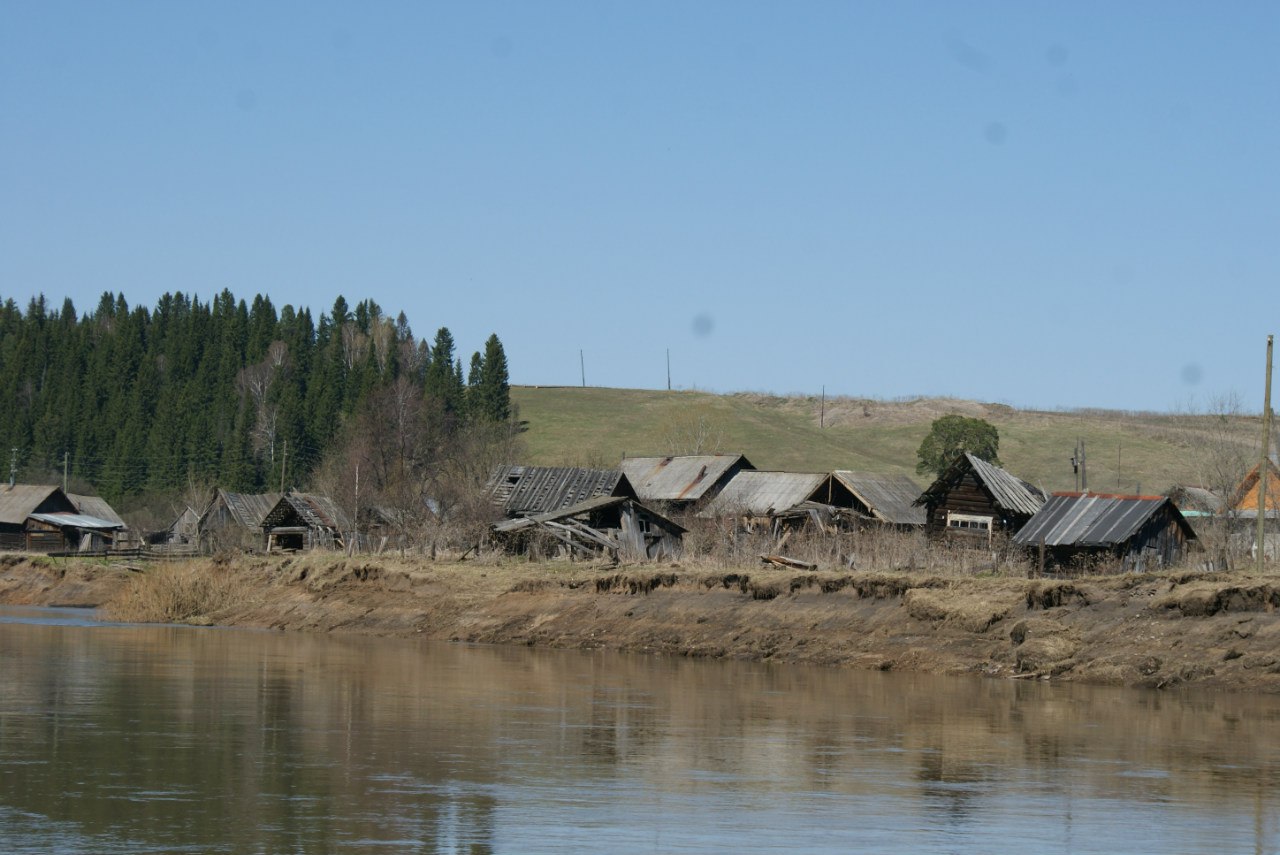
(596,426)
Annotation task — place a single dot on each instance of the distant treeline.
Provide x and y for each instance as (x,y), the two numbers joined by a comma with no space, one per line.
(139,399)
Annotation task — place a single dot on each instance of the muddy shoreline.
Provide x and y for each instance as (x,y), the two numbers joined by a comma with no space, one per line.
(1157,630)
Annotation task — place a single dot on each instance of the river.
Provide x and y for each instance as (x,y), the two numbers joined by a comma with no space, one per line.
(131,739)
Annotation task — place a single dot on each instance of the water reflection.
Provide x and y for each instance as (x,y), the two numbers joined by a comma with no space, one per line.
(131,739)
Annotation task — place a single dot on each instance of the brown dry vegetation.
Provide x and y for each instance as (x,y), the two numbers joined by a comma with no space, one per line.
(1156,630)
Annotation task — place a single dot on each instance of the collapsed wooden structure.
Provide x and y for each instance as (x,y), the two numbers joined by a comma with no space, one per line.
(615,526)
(300,521)
(679,482)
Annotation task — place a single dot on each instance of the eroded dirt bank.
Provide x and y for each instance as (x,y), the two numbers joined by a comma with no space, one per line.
(1205,630)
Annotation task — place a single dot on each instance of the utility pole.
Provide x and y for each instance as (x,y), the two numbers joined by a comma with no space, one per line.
(582,363)
(1264,468)
(66,458)
(822,413)
(284,459)
(668,369)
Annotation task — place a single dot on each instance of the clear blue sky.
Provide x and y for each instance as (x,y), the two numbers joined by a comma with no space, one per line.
(1045,204)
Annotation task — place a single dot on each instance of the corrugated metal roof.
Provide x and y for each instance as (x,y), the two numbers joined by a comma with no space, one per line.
(1010,493)
(21,500)
(685,478)
(96,506)
(1092,519)
(764,492)
(77,521)
(891,498)
(540,489)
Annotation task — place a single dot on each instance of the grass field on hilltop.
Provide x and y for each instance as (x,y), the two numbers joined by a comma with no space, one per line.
(1127,452)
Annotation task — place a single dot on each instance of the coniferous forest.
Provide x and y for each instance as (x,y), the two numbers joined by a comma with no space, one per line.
(240,395)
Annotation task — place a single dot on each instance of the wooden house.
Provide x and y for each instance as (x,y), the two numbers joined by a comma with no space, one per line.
(617,526)
(974,501)
(1137,533)
(233,521)
(529,490)
(1247,493)
(300,521)
(42,518)
(684,481)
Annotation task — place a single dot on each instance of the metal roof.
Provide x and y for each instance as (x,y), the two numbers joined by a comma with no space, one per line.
(890,498)
(1010,493)
(686,478)
(96,506)
(764,492)
(1092,519)
(21,501)
(77,521)
(539,489)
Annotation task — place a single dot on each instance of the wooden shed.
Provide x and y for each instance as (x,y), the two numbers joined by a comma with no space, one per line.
(887,499)
(234,521)
(618,526)
(974,501)
(306,521)
(1137,533)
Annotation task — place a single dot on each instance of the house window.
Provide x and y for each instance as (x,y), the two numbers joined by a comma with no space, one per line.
(969,523)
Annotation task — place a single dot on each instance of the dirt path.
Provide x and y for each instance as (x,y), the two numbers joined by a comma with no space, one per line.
(1160,631)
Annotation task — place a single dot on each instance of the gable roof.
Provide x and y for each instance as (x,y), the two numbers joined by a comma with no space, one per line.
(247,509)
(890,498)
(315,511)
(1009,493)
(684,478)
(63,520)
(1246,493)
(96,506)
(1094,519)
(20,501)
(762,493)
(529,490)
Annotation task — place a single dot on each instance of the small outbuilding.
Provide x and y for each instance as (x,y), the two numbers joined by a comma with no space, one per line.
(234,520)
(1137,533)
(301,521)
(786,501)
(682,481)
(618,526)
(974,501)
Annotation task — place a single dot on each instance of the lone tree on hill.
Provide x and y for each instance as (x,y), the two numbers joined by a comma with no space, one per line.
(951,435)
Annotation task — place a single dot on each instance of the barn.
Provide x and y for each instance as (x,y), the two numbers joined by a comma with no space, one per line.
(1103,531)
(974,501)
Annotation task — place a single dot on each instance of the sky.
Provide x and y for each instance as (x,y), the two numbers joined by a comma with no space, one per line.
(1049,205)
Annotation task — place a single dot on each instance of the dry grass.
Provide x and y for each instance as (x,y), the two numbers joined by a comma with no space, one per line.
(178,593)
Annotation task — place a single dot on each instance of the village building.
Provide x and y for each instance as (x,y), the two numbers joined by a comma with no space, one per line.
(233,521)
(42,518)
(785,501)
(1195,501)
(1104,532)
(974,501)
(617,526)
(530,490)
(181,535)
(683,481)
(1247,495)
(887,499)
(300,521)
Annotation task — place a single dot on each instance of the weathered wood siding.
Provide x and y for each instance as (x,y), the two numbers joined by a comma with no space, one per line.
(969,496)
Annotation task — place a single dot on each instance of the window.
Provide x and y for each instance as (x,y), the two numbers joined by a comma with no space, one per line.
(969,523)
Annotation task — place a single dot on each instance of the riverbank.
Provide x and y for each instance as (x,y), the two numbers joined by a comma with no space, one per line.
(1153,630)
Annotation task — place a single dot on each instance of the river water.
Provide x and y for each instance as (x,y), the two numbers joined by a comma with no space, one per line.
(129,739)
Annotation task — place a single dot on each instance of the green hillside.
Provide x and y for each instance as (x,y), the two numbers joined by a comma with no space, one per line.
(1127,452)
